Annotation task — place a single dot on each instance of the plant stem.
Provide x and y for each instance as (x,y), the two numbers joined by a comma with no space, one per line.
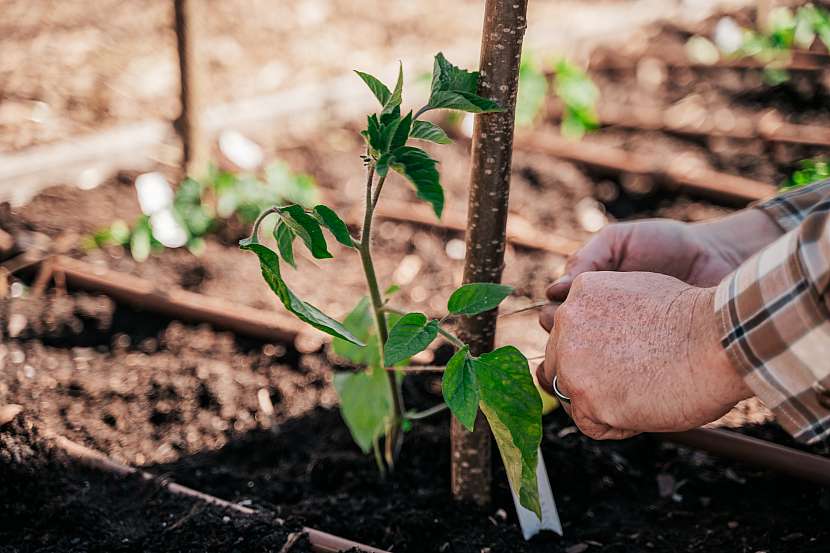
(420,112)
(393,431)
(413,416)
(259,220)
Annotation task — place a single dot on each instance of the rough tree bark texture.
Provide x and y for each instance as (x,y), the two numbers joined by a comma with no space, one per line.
(501,50)
(194,148)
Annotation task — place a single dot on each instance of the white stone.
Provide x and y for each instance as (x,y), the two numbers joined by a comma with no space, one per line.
(154,193)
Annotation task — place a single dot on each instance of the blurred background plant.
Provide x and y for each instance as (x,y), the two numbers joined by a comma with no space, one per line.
(810,171)
(199,207)
(772,44)
(574,88)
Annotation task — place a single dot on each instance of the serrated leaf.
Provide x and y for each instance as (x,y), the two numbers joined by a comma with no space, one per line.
(446,76)
(270,265)
(477,297)
(425,130)
(513,408)
(307,228)
(380,90)
(388,130)
(463,101)
(460,388)
(396,97)
(365,404)
(416,165)
(335,224)
(410,335)
(285,242)
(455,88)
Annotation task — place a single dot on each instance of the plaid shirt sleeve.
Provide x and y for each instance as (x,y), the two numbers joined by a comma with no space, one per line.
(774,313)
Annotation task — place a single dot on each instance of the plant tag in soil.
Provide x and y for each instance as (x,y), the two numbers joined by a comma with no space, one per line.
(530,524)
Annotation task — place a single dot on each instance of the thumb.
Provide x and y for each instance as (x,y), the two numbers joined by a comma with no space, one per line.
(599,254)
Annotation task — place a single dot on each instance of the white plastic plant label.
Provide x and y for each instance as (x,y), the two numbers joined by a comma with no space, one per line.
(528,520)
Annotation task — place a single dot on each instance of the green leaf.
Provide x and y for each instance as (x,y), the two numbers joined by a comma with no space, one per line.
(513,408)
(463,101)
(416,165)
(372,133)
(446,76)
(285,242)
(580,95)
(282,185)
(360,322)
(307,228)
(270,266)
(455,88)
(141,240)
(425,130)
(401,134)
(365,404)
(410,335)
(335,224)
(388,131)
(533,88)
(477,297)
(380,90)
(460,388)
(396,97)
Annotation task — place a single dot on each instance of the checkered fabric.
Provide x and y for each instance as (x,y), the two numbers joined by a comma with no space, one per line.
(774,312)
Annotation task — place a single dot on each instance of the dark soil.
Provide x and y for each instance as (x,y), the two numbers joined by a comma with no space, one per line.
(182,402)
(52,505)
(245,420)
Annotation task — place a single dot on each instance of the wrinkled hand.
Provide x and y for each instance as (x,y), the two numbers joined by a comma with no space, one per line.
(699,254)
(639,352)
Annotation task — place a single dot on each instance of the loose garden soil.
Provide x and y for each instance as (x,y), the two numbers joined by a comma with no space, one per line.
(257,422)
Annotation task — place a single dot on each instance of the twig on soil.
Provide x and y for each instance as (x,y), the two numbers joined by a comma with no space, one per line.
(293,537)
(321,542)
(684,175)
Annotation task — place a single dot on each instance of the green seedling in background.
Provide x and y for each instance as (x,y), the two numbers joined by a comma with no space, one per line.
(810,171)
(786,30)
(200,206)
(379,338)
(575,89)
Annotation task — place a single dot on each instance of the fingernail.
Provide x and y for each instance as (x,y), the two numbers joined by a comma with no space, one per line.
(564,279)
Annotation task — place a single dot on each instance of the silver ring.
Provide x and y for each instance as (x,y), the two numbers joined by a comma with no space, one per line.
(558,393)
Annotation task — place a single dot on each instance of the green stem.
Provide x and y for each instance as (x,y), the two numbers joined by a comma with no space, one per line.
(420,112)
(393,434)
(259,220)
(413,416)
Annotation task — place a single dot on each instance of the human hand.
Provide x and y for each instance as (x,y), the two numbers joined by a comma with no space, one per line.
(699,254)
(639,352)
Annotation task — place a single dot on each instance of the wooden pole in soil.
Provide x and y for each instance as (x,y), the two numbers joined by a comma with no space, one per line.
(501,49)
(188,125)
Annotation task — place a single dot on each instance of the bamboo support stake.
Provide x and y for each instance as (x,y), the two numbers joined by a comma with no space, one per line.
(501,49)
(188,125)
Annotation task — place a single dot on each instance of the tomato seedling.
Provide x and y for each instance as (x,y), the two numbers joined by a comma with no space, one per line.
(381,338)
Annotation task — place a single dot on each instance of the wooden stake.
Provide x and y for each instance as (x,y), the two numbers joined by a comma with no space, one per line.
(188,125)
(501,49)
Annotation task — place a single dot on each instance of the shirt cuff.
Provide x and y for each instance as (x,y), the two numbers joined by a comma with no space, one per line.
(774,329)
(791,208)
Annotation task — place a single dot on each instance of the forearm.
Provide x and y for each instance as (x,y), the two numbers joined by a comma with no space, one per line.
(739,236)
(775,326)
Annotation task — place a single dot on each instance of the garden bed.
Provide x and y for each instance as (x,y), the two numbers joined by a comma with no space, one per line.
(251,421)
